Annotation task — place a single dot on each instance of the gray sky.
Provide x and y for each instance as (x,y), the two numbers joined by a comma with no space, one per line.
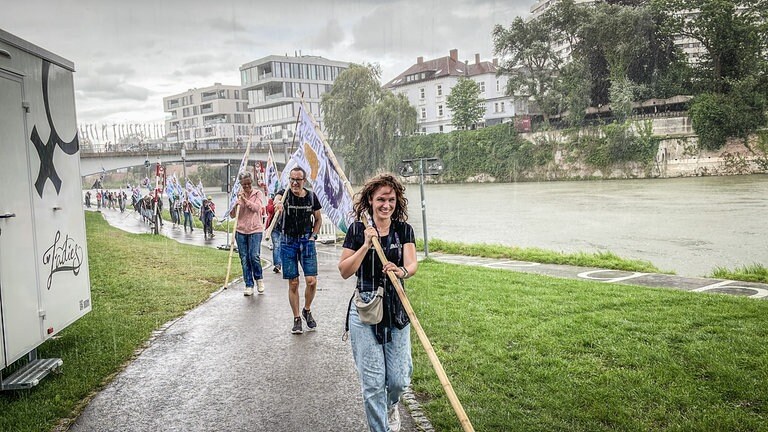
(129,57)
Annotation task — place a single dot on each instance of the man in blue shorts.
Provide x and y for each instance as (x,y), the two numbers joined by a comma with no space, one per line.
(301,220)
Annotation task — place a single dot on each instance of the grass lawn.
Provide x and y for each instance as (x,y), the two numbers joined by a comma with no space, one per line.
(748,273)
(606,260)
(138,283)
(533,353)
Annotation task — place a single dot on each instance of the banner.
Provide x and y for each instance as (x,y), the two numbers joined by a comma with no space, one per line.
(236,187)
(195,196)
(326,182)
(271,176)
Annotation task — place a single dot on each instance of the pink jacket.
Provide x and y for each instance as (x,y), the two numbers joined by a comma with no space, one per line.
(250,219)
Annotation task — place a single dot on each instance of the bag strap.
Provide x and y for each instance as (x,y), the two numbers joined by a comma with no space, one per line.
(345,335)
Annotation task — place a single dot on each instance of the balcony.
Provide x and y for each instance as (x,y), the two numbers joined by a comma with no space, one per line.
(274,96)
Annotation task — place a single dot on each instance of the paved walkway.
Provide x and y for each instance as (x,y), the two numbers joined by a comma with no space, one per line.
(232,364)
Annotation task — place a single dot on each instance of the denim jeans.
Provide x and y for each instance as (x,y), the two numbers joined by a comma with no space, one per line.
(249,248)
(188,221)
(295,250)
(276,239)
(384,369)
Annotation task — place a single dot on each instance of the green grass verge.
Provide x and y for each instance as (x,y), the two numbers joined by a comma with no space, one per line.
(196,222)
(748,273)
(138,283)
(606,260)
(534,353)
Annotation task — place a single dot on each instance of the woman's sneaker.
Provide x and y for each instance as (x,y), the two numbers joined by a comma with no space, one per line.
(260,286)
(393,418)
(248,291)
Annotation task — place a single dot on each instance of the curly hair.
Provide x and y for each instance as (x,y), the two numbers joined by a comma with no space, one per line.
(363,207)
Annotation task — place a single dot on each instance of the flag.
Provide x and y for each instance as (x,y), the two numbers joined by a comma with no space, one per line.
(326,182)
(236,186)
(271,176)
(195,196)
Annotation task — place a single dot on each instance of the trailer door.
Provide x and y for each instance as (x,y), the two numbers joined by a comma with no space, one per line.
(20,324)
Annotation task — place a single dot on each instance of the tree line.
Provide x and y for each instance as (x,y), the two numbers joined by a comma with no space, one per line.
(588,55)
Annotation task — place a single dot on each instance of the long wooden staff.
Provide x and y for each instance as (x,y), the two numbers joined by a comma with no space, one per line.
(234,222)
(452,398)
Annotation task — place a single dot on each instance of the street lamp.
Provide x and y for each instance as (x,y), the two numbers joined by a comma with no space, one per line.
(426,166)
(183,147)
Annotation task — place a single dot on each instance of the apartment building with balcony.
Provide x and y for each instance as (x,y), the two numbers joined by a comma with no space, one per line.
(428,83)
(274,86)
(209,117)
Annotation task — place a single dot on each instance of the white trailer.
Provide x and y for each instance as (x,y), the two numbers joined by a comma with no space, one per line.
(44,277)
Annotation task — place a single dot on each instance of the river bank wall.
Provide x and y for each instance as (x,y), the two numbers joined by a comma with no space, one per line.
(679,155)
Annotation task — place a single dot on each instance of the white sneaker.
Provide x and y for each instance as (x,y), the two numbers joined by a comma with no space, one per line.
(393,418)
(248,291)
(260,286)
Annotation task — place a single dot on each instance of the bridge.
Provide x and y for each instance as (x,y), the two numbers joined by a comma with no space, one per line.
(94,162)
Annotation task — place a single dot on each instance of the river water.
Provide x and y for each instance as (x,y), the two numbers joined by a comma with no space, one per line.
(686,225)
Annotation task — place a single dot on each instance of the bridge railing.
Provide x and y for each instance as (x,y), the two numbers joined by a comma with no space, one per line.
(201,146)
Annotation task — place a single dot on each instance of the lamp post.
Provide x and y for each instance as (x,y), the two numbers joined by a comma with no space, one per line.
(183,147)
(426,166)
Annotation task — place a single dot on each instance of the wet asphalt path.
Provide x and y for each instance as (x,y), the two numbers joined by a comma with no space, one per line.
(232,364)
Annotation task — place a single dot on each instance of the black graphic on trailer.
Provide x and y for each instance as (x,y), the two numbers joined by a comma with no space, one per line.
(45,151)
(64,255)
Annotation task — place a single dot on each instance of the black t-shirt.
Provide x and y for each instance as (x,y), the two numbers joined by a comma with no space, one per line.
(369,274)
(298,213)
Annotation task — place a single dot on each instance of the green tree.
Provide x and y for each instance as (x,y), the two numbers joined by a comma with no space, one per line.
(530,62)
(364,121)
(733,33)
(465,103)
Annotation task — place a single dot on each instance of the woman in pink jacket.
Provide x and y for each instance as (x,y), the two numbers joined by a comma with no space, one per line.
(249,231)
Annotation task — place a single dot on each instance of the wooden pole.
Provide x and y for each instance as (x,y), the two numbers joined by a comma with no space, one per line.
(452,398)
(268,231)
(234,222)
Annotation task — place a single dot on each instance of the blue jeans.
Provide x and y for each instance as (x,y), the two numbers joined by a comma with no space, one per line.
(384,369)
(298,249)
(249,248)
(276,239)
(188,220)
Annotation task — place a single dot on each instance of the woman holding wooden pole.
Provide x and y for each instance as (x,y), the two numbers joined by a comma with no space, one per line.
(382,351)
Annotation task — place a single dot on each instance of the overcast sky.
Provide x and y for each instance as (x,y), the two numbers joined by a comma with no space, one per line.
(129,57)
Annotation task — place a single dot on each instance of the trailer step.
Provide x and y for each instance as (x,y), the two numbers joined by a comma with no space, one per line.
(30,374)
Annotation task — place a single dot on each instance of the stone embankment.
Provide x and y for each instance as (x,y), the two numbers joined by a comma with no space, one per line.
(678,155)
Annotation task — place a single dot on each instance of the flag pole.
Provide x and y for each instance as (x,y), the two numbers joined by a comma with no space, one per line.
(234,221)
(268,231)
(441,375)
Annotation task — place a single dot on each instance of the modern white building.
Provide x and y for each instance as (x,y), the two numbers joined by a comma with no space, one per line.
(274,86)
(210,117)
(427,85)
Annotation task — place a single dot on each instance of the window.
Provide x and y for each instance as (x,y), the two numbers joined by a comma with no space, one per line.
(439,110)
(421,93)
(502,106)
(441,128)
(423,113)
(497,86)
(482,86)
(495,107)
(439,90)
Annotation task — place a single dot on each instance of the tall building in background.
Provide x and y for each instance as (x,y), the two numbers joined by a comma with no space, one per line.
(427,85)
(210,117)
(274,86)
